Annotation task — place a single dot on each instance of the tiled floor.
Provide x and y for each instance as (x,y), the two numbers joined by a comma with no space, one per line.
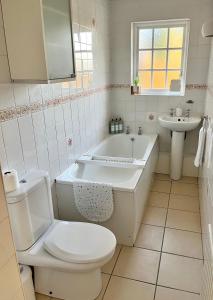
(166,260)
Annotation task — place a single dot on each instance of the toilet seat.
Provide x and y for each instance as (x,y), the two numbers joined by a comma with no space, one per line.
(80,243)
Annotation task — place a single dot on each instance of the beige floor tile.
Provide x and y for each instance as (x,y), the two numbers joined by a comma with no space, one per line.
(183,220)
(184,202)
(159,176)
(150,237)
(155,216)
(139,264)
(158,199)
(161,186)
(105,278)
(43,297)
(170,294)
(183,243)
(180,273)
(108,268)
(125,289)
(184,189)
(188,179)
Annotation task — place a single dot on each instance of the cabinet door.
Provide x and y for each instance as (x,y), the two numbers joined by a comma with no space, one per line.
(58,39)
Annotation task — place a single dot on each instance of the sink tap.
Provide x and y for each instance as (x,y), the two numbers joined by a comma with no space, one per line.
(172,112)
(127,130)
(187,113)
(140,132)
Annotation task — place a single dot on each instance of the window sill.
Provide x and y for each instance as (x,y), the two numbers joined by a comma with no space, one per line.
(160,93)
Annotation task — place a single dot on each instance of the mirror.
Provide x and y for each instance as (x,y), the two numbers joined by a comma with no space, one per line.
(58,39)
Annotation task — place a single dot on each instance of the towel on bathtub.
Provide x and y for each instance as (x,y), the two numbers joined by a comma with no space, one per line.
(93,200)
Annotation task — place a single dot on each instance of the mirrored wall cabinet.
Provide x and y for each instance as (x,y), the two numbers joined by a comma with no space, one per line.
(39,40)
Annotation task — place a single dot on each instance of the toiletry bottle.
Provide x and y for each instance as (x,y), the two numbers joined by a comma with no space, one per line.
(120,125)
(116,126)
(112,127)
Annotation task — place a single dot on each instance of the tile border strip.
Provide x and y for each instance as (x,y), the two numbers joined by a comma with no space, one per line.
(188,86)
(13,112)
(19,111)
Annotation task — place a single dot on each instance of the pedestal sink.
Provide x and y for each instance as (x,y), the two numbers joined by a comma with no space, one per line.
(179,126)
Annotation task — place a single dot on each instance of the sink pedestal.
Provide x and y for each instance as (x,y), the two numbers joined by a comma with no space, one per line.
(177,154)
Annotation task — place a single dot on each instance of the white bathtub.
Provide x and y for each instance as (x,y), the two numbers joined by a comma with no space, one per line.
(130,186)
(134,146)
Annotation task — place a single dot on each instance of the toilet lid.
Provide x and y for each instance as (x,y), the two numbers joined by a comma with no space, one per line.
(78,242)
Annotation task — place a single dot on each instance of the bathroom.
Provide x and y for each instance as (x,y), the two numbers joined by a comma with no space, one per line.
(156,242)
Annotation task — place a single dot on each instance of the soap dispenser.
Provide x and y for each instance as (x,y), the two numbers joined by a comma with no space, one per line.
(112,126)
(120,126)
(116,126)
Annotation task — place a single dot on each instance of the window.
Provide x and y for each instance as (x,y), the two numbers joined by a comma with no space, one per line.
(159,56)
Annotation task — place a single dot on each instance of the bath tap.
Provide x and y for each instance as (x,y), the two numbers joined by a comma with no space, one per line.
(127,130)
(140,131)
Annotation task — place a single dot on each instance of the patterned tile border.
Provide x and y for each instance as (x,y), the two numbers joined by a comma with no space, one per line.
(19,111)
(196,86)
(188,86)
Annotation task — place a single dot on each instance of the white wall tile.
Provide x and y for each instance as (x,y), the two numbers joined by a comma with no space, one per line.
(28,142)
(13,146)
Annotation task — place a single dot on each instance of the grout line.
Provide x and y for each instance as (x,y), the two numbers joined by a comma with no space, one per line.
(188,211)
(202,234)
(112,272)
(171,228)
(164,231)
(171,253)
(195,212)
(185,256)
(171,288)
(158,272)
(178,181)
(114,275)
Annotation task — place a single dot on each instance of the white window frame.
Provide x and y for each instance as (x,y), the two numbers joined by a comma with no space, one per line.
(135,27)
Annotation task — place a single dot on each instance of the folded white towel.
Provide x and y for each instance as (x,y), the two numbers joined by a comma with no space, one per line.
(200,149)
(210,146)
(94,201)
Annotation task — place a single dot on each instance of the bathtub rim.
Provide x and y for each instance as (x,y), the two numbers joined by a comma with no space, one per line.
(152,140)
(67,179)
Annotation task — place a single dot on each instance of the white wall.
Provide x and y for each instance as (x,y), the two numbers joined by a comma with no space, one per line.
(136,109)
(38,139)
(36,121)
(206,189)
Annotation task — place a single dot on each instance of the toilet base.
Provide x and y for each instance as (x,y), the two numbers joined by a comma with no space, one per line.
(68,286)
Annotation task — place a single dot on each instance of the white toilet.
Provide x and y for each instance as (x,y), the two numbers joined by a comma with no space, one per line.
(67,256)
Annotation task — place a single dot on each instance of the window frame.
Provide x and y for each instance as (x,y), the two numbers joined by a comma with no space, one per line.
(135,27)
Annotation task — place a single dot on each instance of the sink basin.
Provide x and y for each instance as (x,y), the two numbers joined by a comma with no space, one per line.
(179,124)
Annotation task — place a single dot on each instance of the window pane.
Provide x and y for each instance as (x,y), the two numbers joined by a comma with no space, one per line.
(145,79)
(160,37)
(159,80)
(176,37)
(174,61)
(145,38)
(159,59)
(145,59)
(172,75)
